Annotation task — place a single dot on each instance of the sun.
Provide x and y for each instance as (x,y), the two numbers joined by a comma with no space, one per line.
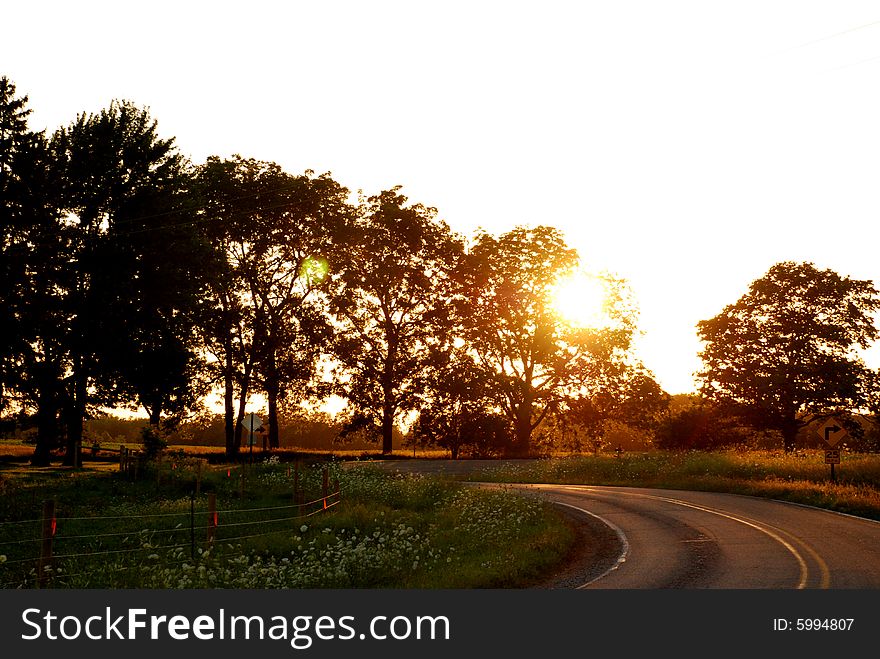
(580,300)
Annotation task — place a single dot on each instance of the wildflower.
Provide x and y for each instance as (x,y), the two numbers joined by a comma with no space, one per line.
(303,528)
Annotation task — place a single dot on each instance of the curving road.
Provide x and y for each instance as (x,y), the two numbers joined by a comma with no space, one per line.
(677,539)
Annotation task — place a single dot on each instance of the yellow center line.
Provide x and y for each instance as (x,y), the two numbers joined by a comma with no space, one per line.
(759,526)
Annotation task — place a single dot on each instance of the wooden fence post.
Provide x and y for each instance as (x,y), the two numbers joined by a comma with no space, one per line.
(325,485)
(121,458)
(212,518)
(199,477)
(48,535)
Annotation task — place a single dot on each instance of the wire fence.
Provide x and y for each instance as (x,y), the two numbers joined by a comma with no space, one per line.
(60,550)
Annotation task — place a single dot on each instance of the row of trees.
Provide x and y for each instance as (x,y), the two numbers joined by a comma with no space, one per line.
(131,277)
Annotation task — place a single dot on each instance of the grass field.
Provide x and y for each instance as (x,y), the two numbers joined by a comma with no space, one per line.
(386,531)
(801,478)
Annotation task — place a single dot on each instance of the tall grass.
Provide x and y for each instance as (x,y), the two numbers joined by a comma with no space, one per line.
(389,531)
(801,478)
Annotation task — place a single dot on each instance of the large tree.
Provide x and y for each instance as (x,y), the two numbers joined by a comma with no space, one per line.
(516,331)
(275,235)
(391,303)
(787,349)
(19,158)
(131,284)
(33,263)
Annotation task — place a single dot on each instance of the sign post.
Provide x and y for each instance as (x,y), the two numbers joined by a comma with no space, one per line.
(832,433)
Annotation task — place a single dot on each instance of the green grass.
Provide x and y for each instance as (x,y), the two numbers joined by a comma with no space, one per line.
(388,531)
(801,478)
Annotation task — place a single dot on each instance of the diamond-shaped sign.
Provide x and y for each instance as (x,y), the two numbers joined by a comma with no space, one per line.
(832,432)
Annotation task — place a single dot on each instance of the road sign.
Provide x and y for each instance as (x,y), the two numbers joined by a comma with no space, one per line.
(832,456)
(251,423)
(832,432)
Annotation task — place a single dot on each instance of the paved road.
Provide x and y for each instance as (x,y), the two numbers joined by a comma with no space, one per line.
(652,538)
(677,539)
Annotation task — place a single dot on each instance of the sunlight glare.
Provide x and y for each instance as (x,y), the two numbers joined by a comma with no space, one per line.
(580,299)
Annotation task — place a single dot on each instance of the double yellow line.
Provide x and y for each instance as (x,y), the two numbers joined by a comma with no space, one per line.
(772,531)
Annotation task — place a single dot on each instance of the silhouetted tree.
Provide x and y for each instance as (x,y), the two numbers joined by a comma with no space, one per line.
(34,245)
(703,426)
(28,368)
(130,288)
(391,304)
(20,161)
(786,350)
(459,411)
(275,234)
(226,190)
(627,394)
(513,328)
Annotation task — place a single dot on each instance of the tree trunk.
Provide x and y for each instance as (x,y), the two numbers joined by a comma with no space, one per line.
(522,429)
(75,414)
(789,437)
(47,424)
(228,405)
(523,436)
(155,413)
(387,428)
(242,404)
(272,400)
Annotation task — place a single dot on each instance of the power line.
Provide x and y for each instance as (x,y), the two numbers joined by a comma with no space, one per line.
(834,36)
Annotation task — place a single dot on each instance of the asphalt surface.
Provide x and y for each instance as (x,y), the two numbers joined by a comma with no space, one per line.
(678,539)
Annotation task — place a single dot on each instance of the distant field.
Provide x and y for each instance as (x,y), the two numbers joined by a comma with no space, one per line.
(17,450)
(801,478)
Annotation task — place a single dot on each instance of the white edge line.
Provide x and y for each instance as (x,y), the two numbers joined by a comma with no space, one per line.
(620,536)
(742,520)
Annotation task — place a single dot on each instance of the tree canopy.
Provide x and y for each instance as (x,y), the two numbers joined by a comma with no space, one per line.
(516,334)
(787,349)
(273,235)
(390,302)
(130,277)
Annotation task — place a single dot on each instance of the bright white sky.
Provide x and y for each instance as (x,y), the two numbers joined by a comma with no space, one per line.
(686,146)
